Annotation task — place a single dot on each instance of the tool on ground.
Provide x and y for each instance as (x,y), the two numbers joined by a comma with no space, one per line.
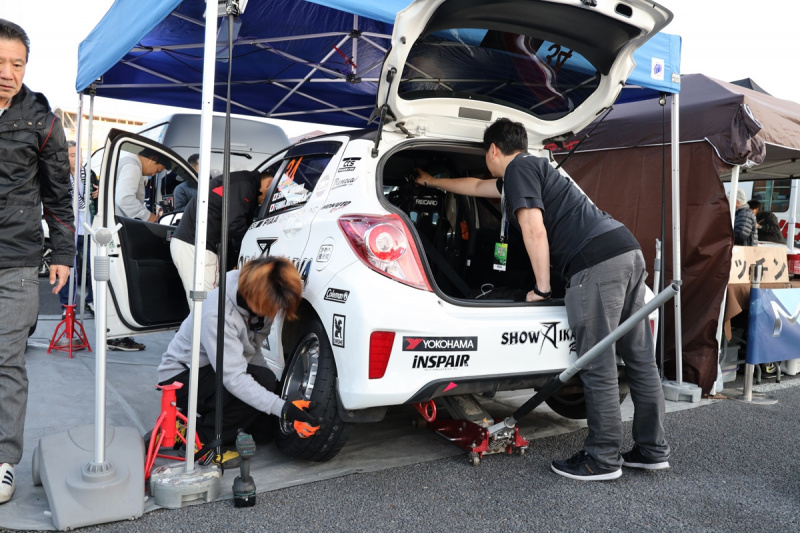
(506,427)
(244,487)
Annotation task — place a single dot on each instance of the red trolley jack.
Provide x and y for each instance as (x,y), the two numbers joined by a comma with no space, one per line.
(469,428)
(72,331)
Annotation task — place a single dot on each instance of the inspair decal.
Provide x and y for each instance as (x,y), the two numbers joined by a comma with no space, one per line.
(437,362)
(440,344)
(549,333)
(337,295)
(338,331)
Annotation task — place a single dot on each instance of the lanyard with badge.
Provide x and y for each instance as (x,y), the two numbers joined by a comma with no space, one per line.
(501,247)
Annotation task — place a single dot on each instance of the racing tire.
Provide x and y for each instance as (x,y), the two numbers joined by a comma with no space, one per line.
(572,406)
(47,255)
(311,375)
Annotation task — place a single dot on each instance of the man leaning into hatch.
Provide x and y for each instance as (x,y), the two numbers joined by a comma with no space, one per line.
(604,269)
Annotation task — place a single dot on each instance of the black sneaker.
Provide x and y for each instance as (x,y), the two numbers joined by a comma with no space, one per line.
(635,459)
(126,344)
(582,467)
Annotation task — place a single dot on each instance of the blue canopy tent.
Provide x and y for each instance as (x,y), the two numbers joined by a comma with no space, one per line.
(293,59)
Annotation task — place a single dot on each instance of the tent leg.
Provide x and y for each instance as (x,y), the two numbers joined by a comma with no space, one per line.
(678,390)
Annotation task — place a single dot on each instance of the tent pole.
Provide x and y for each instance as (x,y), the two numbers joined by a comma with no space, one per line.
(793,216)
(87,195)
(676,234)
(678,390)
(198,294)
(75,210)
(732,194)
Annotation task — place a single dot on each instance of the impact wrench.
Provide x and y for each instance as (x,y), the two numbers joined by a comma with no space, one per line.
(505,428)
(244,487)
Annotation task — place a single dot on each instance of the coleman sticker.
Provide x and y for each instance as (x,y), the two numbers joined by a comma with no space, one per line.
(336,295)
(440,344)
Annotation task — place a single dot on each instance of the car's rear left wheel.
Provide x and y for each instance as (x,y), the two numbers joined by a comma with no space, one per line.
(311,375)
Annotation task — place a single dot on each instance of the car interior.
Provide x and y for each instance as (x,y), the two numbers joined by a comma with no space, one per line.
(458,233)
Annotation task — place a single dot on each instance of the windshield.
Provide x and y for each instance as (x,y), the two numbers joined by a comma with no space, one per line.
(544,78)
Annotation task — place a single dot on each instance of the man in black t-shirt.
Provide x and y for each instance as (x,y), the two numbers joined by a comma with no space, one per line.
(602,264)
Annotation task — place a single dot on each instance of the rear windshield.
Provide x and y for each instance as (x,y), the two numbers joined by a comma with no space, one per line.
(544,78)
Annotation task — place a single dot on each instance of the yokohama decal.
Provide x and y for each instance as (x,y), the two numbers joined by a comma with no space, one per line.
(440,344)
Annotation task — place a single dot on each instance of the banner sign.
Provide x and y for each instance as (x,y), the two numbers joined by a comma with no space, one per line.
(773,334)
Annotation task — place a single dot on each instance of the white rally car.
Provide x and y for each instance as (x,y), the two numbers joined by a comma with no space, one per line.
(401,303)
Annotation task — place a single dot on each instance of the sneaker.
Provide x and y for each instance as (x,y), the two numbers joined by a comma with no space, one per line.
(89,308)
(126,344)
(6,482)
(635,459)
(582,467)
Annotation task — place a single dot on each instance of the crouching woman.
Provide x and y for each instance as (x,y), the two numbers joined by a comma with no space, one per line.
(255,294)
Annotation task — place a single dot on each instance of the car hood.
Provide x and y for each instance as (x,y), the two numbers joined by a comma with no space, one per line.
(456,65)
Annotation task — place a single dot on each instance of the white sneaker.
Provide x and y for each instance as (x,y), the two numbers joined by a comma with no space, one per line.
(6,482)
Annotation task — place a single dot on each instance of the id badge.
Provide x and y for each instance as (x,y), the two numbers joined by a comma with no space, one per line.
(500,256)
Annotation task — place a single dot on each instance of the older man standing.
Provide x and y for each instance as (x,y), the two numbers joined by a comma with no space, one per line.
(34,173)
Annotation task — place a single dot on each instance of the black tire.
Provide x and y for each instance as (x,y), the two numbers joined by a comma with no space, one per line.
(47,253)
(572,406)
(311,375)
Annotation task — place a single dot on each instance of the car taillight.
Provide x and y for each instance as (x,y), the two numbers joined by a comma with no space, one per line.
(384,244)
(380,348)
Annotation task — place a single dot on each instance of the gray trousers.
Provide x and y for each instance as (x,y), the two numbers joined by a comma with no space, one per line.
(19,307)
(598,299)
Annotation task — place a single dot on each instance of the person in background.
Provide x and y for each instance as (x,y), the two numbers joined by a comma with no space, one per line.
(745,230)
(769,229)
(247,191)
(603,265)
(186,191)
(63,294)
(755,207)
(254,295)
(132,172)
(34,176)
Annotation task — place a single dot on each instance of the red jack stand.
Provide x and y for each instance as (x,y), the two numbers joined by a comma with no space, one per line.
(165,430)
(70,331)
(472,436)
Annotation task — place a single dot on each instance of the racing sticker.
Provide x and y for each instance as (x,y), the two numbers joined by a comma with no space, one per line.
(303,267)
(438,362)
(550,333)
(344,181)
(337,295)
(325,253)
(440,344)
(348,164)
(338,331)
(335,206)
(265,244)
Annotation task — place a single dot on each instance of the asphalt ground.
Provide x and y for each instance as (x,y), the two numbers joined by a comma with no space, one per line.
(733,469)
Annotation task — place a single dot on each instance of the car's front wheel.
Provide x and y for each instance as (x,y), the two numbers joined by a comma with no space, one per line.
(311,375)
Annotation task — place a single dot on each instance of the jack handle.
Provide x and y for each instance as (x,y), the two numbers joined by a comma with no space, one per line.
(556,382)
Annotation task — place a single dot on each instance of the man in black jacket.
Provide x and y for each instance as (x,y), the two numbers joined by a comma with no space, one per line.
(247,190)
(34,173)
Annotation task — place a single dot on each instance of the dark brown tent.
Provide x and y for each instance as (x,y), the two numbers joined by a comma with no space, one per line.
(621,166)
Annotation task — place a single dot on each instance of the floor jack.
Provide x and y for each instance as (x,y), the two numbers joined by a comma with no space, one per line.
(470,428)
